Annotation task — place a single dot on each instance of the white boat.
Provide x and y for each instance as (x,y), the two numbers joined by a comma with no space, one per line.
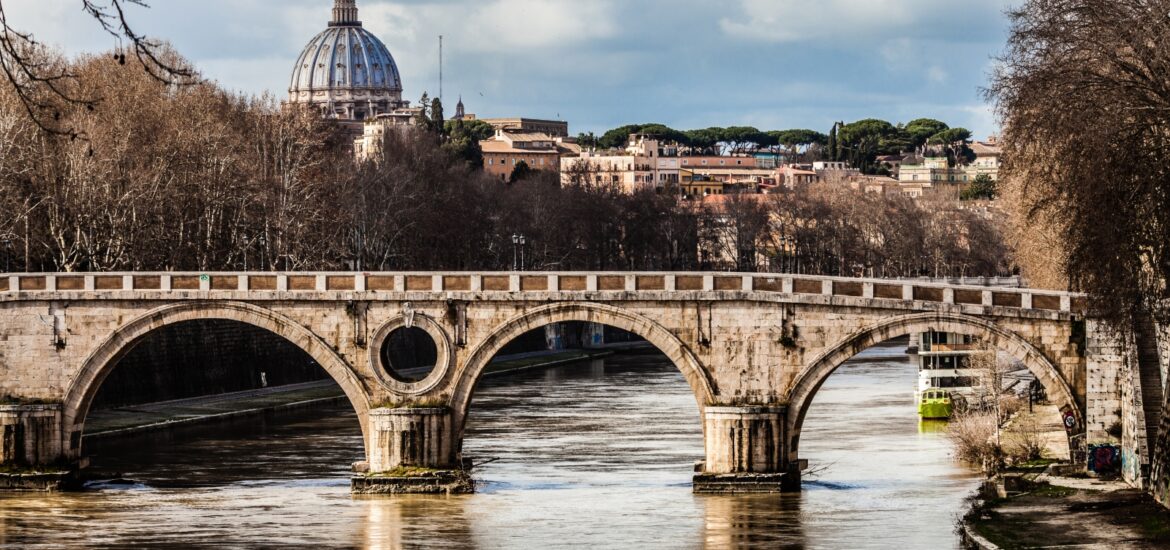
(942,362)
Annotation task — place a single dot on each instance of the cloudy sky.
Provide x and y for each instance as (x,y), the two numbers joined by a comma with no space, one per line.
(773,64)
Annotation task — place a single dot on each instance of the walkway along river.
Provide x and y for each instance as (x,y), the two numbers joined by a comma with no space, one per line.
(598,454)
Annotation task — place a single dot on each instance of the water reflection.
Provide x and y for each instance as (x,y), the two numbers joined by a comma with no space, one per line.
(415,521)
(752,521)
(596,455)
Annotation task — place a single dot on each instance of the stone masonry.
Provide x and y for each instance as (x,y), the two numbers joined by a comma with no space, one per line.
(753,348)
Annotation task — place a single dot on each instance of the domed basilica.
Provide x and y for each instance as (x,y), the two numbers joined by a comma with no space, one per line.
(346,71)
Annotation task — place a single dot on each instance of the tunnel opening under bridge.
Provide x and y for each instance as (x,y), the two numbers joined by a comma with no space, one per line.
(185,371)
(983,368)
(623,399)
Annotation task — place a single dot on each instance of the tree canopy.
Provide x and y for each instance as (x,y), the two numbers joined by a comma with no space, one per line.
(1085,110)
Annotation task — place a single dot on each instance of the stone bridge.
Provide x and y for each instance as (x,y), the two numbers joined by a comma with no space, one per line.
(754,349)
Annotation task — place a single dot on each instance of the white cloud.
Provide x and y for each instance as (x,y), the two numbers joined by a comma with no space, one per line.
(851,20)
(600,63)
(937,75)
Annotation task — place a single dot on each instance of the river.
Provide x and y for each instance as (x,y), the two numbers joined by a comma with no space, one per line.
(596,455)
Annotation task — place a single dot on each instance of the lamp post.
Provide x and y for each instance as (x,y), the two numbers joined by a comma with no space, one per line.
(515,252)
(518,243)
(263,253)
(523,243)
(7,253)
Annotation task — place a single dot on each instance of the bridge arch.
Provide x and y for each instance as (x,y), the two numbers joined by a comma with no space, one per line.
(666,342)
(809,381)
(104,358)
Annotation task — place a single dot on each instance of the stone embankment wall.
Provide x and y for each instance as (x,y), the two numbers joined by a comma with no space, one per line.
(204,358)
(1159,484)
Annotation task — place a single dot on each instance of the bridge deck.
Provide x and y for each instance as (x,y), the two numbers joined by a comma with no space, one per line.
(270,285)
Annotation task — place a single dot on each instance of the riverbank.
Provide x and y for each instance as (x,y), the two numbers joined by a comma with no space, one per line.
(1047,511)
(168,415)
(1038,507)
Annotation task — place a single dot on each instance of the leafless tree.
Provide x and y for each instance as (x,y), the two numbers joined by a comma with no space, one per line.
(44,85)
(1083,90)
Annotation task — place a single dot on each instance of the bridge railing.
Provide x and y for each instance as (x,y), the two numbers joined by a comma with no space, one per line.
(31,284)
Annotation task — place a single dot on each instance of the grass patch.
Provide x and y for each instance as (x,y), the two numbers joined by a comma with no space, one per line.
(408,471)
(1048,490)
(1034,464)
(1156,528)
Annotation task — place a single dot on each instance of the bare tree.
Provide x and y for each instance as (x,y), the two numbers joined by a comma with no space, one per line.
(44,85)
(1084,96)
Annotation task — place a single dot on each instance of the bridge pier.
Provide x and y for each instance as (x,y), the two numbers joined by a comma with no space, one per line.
(31,448)
(411,450)
(745,451)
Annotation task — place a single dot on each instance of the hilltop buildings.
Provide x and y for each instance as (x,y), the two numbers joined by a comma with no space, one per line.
(350,76)
(930,171)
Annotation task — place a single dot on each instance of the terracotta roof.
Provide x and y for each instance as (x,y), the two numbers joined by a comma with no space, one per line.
(493,146)
(529,136)
(983,149)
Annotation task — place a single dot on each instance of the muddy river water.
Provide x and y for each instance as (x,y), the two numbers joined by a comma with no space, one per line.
(596,455)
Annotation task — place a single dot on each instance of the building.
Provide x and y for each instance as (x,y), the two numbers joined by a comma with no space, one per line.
(697,185)
(647,163)
(987,155)
(717,162)
(792,175)
(461,111)
(936,170)
(539,151)
(554,128)
(373,130)
(346,72)
(893,163)
(834,172)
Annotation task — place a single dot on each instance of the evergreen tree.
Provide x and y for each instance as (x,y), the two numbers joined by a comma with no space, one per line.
(520,172)
(437,119)
(833,154)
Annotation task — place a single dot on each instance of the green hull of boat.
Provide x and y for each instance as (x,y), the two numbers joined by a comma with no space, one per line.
(934,408)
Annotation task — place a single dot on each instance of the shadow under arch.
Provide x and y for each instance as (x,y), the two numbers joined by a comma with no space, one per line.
(104,358)
(666,342)
(811,378)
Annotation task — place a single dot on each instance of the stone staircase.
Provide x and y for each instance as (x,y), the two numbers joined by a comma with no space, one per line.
(1150,369)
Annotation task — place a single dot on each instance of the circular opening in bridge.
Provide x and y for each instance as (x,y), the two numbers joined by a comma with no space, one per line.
(409,354)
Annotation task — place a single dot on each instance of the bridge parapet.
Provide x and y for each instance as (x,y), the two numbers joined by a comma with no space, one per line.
(664,286)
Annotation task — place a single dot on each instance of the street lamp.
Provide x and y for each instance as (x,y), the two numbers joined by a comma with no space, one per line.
(515,252)
(263,253)
(518,242)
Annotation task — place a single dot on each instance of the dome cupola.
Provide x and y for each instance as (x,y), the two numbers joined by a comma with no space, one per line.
(346,71)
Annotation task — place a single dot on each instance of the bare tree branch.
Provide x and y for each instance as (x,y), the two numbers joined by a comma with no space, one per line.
(45,88)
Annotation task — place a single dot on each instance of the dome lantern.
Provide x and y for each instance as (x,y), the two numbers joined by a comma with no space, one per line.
(345,14)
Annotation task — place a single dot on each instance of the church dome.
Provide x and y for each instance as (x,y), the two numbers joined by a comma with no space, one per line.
(346,71)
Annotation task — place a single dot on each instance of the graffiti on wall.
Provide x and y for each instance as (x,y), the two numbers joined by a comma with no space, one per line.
(1104,458)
